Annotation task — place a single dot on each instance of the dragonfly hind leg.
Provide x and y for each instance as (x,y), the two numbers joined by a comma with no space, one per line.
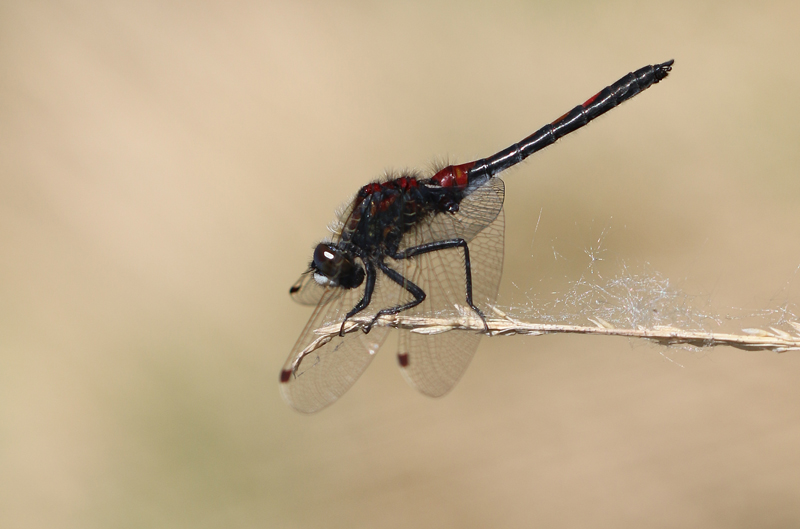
(445,245)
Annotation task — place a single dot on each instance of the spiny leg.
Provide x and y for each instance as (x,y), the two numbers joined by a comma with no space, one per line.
(397,277)
(445,245)
(369,288)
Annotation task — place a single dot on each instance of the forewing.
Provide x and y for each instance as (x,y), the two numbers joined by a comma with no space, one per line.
(309,382)
(434,363)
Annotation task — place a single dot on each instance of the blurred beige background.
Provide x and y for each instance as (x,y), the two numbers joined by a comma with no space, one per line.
(166,168)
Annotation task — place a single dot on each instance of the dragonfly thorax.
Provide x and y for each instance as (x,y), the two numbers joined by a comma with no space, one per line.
(383,213)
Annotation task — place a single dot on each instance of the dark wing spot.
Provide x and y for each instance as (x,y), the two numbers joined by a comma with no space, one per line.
(402,358)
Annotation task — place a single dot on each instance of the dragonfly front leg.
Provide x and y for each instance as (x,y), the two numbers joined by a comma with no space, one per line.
(414,290)
(369,288)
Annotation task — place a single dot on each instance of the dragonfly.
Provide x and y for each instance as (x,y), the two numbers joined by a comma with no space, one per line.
(420,246)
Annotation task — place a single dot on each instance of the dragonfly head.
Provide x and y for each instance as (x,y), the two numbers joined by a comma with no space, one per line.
(335,267)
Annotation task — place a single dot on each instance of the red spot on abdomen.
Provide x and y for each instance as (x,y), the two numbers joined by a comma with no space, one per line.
(590,100)
(453,175)
(559,119)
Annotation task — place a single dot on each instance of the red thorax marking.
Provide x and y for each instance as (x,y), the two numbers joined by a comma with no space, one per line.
(404,183)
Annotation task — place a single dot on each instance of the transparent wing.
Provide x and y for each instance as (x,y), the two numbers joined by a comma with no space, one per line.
(435,363)
(477,210)
(312,381)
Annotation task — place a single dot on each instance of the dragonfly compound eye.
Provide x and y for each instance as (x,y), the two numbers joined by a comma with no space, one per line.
(335,267)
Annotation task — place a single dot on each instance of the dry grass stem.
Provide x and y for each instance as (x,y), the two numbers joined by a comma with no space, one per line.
(775,340)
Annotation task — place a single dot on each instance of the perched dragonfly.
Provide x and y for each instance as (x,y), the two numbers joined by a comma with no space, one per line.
(421,246)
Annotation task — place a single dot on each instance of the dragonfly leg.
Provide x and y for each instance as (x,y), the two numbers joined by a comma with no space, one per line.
(369,288)
(397,277)
(445,245)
